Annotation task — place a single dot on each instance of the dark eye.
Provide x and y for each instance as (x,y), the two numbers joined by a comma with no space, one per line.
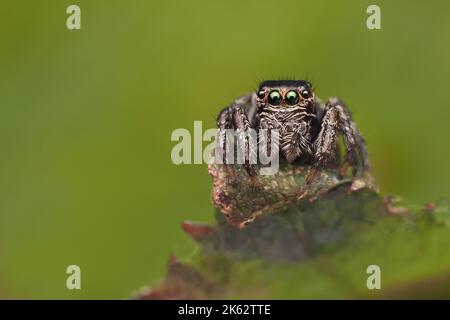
(306,94)
(261,94)
(274,98)
(291,97)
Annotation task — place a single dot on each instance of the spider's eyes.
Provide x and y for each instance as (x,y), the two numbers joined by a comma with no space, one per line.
(274,98)
(306,94)
(261,94)
(291,97)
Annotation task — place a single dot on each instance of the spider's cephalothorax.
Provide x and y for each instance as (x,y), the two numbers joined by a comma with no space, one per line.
(289,107)
(307,128)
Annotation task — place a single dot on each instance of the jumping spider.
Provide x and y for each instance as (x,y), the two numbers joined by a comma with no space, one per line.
(308,129)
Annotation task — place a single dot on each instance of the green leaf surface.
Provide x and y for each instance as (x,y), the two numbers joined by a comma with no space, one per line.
(317,249)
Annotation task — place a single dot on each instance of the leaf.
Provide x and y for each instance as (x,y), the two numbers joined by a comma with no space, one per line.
(315,247)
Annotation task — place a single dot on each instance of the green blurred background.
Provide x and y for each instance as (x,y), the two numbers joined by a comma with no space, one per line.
(86,117)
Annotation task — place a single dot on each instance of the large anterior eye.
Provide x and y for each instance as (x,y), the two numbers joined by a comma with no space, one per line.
(291,97)
(274,98)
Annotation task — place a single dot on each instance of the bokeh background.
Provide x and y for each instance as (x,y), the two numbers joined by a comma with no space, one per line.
(86,116)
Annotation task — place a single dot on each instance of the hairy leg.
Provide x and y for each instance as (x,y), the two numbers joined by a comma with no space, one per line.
(337,120)
(235,117)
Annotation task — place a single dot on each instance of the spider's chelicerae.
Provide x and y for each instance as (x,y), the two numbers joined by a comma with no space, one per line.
(308,129)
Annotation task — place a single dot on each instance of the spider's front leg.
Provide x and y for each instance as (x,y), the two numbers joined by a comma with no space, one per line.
(337,120)
(235,118)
